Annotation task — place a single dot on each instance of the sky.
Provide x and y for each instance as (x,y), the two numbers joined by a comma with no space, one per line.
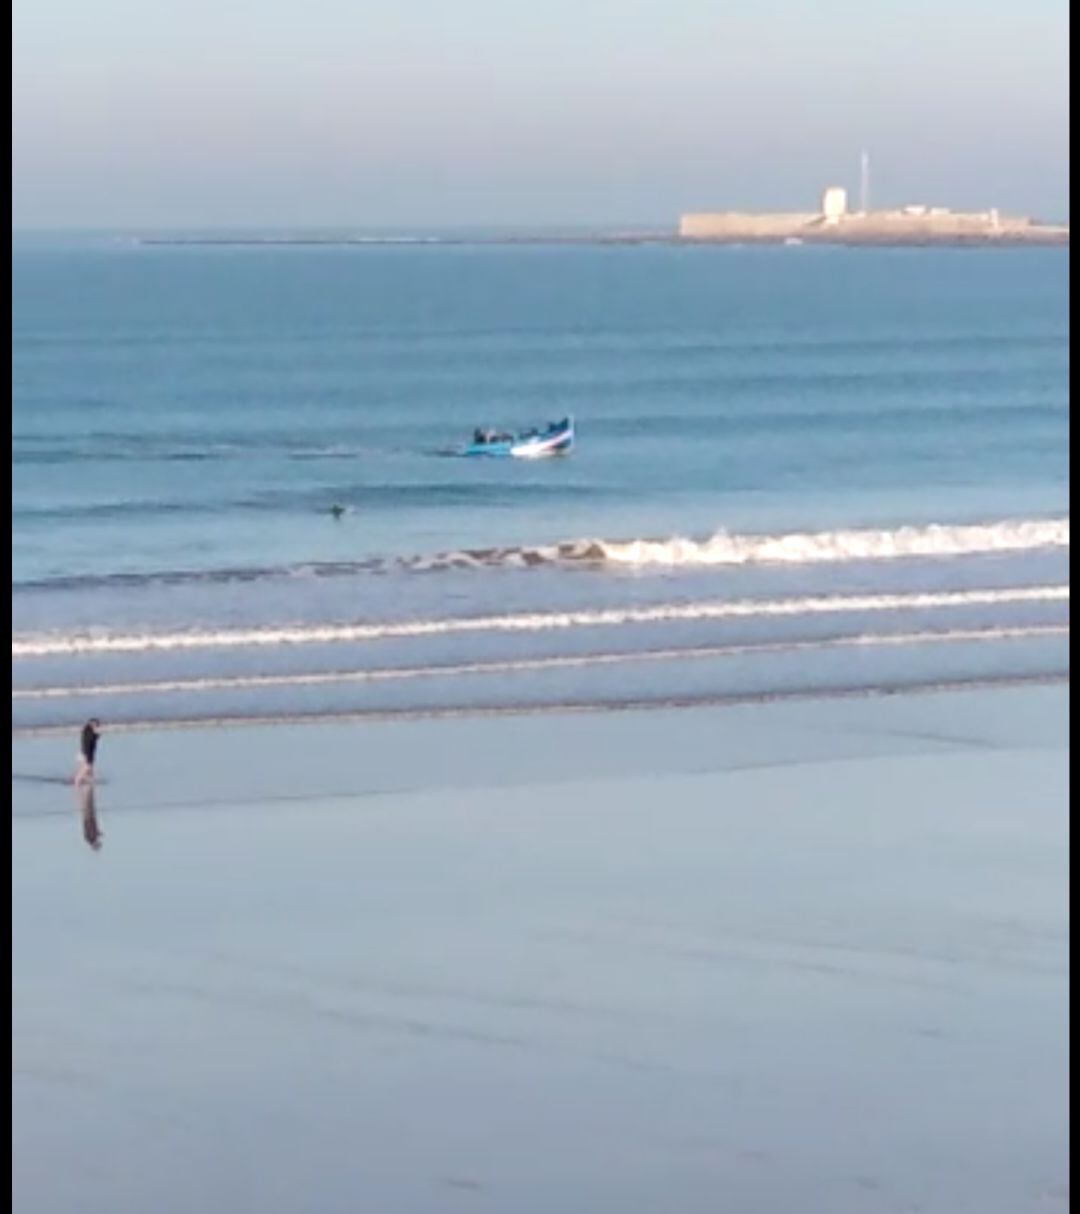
(274,113)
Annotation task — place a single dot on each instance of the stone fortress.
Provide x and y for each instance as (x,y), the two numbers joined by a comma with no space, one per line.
(835,223)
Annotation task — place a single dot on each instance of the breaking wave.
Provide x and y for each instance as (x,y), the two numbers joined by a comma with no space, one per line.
(851,545)
(721,549)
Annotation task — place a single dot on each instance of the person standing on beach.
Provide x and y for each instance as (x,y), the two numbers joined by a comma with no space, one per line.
(88,741)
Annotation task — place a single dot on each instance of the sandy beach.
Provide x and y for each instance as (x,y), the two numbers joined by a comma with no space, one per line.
(795,956)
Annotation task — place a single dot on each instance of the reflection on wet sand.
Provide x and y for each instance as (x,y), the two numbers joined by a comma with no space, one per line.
(92,832)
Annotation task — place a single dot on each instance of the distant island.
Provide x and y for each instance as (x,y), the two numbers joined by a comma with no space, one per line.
(834,223)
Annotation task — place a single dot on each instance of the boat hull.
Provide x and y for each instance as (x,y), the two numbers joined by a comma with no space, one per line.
(558,441)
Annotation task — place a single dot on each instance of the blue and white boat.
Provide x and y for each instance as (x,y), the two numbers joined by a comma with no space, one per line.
(557,438)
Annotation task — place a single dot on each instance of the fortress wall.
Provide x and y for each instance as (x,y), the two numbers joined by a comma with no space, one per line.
(929,226)
(959,222)
(736,225)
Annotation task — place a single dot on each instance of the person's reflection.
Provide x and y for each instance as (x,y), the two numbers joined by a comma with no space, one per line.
(91,829)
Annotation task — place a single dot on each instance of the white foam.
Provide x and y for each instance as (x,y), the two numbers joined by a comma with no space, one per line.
(328,634)
(936,539)
(525,665)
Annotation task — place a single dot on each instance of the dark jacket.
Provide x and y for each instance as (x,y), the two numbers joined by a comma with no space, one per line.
(89,742)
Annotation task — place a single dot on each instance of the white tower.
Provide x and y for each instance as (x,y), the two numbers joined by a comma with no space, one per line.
(834,204)
(864,183)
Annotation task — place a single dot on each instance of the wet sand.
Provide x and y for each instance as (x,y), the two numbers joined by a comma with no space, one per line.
(785,957)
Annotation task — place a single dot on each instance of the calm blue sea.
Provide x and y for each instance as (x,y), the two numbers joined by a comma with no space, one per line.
(798,470)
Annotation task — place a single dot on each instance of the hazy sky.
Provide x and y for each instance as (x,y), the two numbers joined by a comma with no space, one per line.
(346,112)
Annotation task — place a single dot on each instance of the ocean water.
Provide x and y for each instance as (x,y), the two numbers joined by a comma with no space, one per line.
(798,471)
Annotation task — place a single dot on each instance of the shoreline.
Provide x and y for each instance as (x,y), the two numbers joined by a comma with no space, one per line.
(367,755)
(642,705)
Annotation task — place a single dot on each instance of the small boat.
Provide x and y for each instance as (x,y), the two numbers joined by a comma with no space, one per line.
(557,438)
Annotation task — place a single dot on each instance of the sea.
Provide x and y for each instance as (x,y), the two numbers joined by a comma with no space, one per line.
(238,493)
